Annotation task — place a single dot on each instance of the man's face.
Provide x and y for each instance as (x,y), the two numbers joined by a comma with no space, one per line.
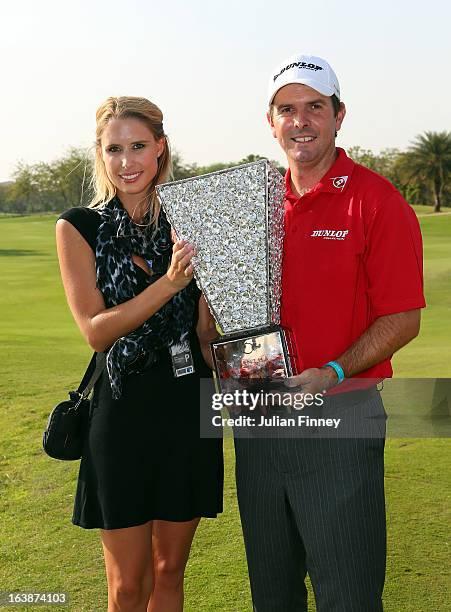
(304,123)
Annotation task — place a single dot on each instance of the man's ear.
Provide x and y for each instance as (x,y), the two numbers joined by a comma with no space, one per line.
(271,123)
(340,116)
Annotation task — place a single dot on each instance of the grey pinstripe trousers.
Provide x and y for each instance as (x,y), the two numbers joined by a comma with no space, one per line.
(314,505)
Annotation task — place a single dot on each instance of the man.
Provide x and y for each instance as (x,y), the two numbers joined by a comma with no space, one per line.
(351,295)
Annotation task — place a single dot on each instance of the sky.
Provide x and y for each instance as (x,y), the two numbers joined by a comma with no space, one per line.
(207,63)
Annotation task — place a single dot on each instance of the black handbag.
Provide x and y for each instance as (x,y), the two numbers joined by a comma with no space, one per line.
(67,424)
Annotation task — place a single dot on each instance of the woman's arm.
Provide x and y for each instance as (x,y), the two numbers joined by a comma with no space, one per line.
(206,330)
(99,325)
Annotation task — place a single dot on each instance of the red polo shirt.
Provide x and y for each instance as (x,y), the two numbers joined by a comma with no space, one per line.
(352,253)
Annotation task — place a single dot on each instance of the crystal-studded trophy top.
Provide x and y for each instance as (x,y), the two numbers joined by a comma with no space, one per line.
(234,218)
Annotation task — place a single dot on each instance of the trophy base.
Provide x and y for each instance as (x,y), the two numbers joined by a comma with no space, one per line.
(254,360)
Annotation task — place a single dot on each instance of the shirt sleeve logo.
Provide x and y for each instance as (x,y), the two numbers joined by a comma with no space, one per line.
(339,182)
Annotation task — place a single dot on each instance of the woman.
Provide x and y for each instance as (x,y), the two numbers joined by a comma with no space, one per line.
(146,477)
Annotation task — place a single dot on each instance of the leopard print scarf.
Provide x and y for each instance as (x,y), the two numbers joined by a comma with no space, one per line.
(118,238)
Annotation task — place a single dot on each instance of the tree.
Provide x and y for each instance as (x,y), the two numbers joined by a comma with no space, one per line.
(384,163)
(180,170)
(429,159)
(70,178)
(51,186)
(25,195)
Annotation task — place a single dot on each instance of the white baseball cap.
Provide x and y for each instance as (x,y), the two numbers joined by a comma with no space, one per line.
(307,70)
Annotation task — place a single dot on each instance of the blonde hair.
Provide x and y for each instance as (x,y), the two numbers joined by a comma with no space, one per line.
(126,107)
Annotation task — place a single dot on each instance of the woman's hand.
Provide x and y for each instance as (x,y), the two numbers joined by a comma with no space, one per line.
(206,326)
(180,272)
(206,331)
(102,326)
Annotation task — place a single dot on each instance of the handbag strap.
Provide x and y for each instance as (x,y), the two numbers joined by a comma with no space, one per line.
(92,374)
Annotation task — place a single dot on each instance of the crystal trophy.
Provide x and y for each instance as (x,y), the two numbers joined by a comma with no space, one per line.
(234,218)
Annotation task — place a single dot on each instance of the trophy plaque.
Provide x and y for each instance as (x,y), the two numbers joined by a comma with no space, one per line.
(234,218)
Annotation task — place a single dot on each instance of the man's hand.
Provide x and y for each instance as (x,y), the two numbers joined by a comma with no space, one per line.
(313,380)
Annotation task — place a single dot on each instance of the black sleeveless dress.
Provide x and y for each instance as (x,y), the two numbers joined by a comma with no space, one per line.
(143,457)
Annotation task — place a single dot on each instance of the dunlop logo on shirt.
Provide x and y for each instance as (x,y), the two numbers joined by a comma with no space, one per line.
(329,234)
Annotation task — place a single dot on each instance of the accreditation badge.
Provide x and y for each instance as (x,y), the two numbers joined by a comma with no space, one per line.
(182,359)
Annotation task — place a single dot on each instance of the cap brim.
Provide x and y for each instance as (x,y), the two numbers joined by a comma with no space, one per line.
(325,90)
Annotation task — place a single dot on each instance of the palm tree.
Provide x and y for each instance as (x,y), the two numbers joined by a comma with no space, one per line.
(429,159)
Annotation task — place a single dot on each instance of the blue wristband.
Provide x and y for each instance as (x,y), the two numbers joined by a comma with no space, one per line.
(338,369)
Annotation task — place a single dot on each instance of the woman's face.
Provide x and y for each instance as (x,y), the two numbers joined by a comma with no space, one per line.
(130,153)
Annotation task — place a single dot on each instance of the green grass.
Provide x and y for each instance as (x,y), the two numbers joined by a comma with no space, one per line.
(426,209)
(429,355)
(43,355)
(423,209)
